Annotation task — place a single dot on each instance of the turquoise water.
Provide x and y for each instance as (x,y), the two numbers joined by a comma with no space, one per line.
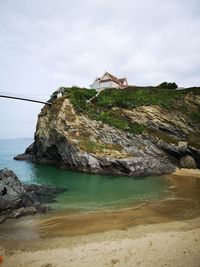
(85,192)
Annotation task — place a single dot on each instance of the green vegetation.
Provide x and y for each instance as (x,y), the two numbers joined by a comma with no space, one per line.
(78,97)
(107,107)
(134,97)
(166,85)
(93,147)
(127,98)
(194,90)
(117,119)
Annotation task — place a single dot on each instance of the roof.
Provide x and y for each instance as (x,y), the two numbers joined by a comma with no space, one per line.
(114,78)
(122,80)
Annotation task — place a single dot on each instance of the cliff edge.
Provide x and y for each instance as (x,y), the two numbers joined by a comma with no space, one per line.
(134,131)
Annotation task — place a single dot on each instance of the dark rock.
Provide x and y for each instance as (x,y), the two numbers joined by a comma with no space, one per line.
(195,153)
(28,155)
(188,162)
(178,152)
(17,199)
(30,149)
(16,195)
(23,156)
(43,193)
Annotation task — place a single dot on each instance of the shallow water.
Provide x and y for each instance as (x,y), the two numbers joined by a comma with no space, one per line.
(85,192)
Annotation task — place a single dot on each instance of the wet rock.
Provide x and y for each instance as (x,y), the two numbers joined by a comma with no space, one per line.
(16,196)
(23,156)
(18,199)
(43,193)
(188,162)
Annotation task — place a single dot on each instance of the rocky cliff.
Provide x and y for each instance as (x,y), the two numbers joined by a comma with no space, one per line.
(135,131)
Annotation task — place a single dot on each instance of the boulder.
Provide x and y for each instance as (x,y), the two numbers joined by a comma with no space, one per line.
(18,199)
(188,162)
(12,193)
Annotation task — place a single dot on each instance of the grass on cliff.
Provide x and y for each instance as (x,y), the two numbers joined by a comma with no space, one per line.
(102,107)
(133,97)
(117,119)
(127,98)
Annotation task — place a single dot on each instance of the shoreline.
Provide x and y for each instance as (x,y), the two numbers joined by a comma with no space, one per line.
(189,172)
(134,237)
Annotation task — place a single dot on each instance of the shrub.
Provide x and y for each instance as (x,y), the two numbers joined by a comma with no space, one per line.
(166,85)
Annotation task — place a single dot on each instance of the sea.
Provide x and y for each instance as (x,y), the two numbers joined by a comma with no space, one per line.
(84,192)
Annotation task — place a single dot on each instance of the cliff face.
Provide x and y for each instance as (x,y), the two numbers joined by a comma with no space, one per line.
(140,141)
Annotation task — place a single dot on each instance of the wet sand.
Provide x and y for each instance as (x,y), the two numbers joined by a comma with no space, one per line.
(188,172)
(118,238)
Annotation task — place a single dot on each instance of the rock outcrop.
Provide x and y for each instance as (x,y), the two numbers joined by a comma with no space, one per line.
(17,199)
(69,138)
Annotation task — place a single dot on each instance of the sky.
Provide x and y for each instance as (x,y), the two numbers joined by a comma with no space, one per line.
(46,44)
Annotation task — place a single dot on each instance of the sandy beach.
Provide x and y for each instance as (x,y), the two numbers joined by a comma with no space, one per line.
(169,235)
(171,244)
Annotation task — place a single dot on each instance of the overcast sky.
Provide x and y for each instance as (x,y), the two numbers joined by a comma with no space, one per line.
(45,44)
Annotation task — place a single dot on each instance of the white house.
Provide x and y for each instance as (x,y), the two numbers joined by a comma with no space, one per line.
(109,81)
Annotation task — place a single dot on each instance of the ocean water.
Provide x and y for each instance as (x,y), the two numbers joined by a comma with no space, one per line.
(85,192)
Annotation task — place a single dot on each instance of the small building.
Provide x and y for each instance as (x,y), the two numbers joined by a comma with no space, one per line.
(109,81)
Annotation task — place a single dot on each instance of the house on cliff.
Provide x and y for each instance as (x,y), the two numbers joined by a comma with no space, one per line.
(109,81)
